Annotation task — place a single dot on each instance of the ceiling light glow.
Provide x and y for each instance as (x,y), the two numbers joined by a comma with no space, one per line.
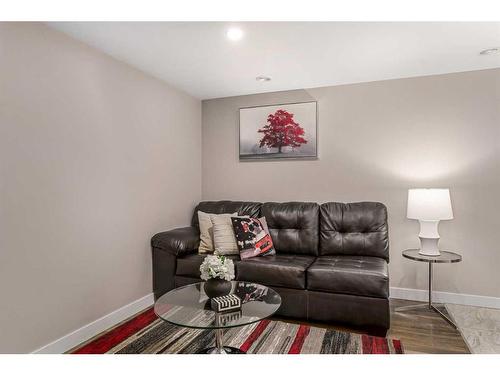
(234,34)
(262,79)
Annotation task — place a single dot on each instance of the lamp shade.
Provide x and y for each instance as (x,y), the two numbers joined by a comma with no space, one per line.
(429,204)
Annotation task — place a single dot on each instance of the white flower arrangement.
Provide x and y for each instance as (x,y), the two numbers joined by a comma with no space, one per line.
(217,267)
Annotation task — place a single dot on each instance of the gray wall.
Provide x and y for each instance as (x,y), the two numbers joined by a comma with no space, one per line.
(95,157)
(376,140)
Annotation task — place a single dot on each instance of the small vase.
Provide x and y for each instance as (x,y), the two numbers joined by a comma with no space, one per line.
(217,287)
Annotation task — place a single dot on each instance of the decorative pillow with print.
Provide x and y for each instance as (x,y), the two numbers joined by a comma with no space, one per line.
(252,237)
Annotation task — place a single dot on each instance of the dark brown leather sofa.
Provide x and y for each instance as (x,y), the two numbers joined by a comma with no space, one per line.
(330,263)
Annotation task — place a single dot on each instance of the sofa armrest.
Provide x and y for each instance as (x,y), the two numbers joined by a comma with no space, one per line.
(178,242)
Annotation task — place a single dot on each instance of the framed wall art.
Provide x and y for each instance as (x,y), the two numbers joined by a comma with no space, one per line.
(285,131)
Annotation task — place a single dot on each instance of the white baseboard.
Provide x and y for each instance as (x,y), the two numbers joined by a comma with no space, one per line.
(445,297)
(88,331)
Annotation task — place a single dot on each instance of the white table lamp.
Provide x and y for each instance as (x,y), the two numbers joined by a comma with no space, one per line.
(428,206)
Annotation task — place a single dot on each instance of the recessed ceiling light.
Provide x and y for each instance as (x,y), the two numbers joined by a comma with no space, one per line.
(234,33)
(263,78)
(490,51)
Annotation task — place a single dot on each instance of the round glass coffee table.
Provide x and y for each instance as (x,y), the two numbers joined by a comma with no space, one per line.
(189,306)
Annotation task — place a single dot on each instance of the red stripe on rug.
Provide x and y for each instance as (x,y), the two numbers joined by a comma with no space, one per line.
(300,337)
(254,335)
(119,334)
(374,345)
(398,348)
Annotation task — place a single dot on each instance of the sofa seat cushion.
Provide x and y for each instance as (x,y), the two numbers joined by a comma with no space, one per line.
(346,274)
(281,270)
(189,265)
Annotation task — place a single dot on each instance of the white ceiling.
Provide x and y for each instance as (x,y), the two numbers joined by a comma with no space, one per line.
(198,58)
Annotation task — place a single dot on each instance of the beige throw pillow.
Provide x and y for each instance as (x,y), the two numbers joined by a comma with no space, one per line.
(224,238)
(206,231)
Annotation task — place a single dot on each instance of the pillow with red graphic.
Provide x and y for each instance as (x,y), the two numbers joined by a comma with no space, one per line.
(252,237)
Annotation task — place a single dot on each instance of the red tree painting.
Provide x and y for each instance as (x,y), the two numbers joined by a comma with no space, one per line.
(281,131)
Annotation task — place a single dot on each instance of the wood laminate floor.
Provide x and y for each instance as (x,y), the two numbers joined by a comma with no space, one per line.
(420,330)
(424,331)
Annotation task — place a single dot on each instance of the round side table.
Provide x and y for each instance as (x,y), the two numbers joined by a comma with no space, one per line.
(444,257)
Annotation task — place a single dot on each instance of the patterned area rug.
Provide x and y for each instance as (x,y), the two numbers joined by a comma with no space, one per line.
(146,334)
(479,327)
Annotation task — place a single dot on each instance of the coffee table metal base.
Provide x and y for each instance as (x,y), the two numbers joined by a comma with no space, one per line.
(223,350)
(220,348)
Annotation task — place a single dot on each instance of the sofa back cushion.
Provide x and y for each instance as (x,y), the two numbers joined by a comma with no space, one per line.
(354,229)
(251,209)
(293,226)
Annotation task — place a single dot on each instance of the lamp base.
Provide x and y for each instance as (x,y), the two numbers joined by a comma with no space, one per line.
(429,238)
(429,247)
